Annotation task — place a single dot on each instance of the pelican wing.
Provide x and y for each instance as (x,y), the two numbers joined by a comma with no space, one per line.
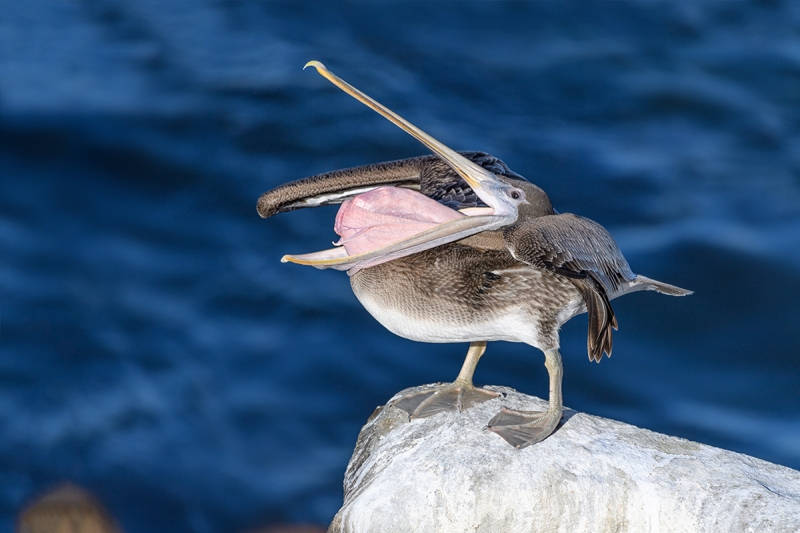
(583,251)
(337,186)
(428,174)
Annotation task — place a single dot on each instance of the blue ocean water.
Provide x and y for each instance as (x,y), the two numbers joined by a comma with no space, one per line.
(154,349)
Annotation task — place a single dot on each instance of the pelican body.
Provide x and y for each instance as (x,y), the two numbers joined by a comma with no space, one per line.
(456,247)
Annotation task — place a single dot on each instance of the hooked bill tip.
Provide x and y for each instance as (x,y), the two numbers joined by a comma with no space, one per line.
(316,64)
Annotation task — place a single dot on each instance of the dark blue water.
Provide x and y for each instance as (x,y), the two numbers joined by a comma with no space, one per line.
(154,349)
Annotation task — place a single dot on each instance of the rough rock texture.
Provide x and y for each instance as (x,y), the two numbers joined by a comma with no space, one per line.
(447,474)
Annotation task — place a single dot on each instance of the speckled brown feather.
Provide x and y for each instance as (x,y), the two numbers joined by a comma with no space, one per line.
(462,286)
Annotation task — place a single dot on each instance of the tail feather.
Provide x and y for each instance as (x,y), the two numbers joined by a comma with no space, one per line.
(663,288)
(601,319)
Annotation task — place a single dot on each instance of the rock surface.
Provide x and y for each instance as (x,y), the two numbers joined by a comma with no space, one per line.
(447,474)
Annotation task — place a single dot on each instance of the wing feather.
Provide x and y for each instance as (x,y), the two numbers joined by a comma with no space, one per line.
(585,253)
(430,175)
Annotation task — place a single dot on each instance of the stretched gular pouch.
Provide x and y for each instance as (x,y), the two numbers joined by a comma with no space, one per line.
(386,215)
(384,224)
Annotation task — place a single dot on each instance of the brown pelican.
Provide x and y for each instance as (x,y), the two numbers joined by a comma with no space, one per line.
(455,247)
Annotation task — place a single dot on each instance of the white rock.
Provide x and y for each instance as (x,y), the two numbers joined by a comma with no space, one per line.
(447,474)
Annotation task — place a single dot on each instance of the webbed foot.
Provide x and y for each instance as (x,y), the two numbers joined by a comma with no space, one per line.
(451,397)
(455,396)
(523,428)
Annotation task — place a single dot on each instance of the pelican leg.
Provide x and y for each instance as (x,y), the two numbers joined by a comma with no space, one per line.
(523,428)
(456,396)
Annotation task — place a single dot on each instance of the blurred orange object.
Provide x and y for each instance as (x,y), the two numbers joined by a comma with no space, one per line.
(66,509)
